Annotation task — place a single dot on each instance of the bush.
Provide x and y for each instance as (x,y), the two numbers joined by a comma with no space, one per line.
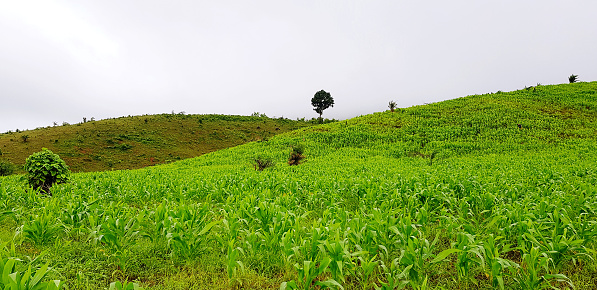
(6,168)
(44,169)
(263,163)
(296,155)
(392,105)
(573,78)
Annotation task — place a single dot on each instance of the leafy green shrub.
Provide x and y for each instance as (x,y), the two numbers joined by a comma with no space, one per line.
(124,147)
(296,155)
(263,163)
(44,169)
(6,168)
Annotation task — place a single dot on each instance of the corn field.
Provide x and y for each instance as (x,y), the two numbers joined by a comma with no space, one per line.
(453,195)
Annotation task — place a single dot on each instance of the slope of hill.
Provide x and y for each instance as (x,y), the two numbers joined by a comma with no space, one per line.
(139,141)
(495,191)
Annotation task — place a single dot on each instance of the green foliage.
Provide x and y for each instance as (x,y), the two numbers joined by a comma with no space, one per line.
(44,169)
(31,279)
(41,229)
(392,105)
(321,101)
(502,207)
(296,155)
(6,168)
(154,139)
(263,163)
(125,286)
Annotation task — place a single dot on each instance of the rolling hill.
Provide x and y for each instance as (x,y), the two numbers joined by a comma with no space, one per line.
(139,141)
(494,191)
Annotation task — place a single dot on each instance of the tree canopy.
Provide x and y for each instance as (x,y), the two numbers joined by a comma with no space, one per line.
(321,101)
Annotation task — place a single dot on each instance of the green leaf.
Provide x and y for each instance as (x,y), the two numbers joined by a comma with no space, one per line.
(331,283)
(8,269)
(445,253)
(116,286)
(39,274)
(208,227)
(288,285)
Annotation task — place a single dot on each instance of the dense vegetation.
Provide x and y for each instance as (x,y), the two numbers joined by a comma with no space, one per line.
(139,141)
(482,192)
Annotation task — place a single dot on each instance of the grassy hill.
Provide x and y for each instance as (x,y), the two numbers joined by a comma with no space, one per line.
(482,192)
(139,141)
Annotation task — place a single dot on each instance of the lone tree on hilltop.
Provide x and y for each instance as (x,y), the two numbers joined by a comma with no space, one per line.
(321,101)
(573,78)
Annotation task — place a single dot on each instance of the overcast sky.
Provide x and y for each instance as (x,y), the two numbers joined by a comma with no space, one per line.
(61,61)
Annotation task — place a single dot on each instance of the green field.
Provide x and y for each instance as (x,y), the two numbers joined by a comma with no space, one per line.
(482,192)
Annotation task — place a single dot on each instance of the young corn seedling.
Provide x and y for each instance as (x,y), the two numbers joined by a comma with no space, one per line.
(469,255)
(119,232)
(159,223)
(497,266)
(41,229)
(233,265)
(28,280)
(535,264)
(307,273)
(418,253)
(366,268)
(124,286)
(340,257)
(74,216)
(395,276)
(188,241)
(559,247)
(188,233)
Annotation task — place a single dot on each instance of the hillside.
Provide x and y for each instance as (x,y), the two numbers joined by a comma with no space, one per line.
(139,141)
(495,191)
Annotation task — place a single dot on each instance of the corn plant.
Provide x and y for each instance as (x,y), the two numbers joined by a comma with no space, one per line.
(395,276)
(469,255)
(536,272)
(497,266)
(340,257)
(418,253)
(308,272)
(28,280)
(233,265)
(559,247)
(187,239)
(124,286)
(41,229)
(366,268)
(158,224)
(119,232)
(74,216)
